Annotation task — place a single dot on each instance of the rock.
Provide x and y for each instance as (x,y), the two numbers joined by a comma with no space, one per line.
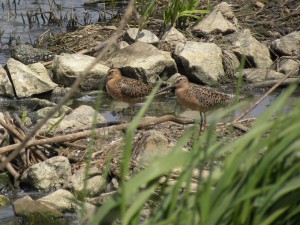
(41,70)
(87,209)
(26,207)
(26,81)
(287,66)
(4,201)
(5,183)
(62,200)
(220,20)
(153,143)
(100,200)
(143,36)
(79,119)
(6,88)
(259,75)
(201,62)
(288,44)
(257,54)
(122,44)
(173,36)
(67,67)
(27,54)
(95,184)
(51,174)
(144,62)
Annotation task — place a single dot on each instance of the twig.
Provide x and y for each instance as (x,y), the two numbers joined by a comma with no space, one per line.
(98,131)
(74,87)
(262,98)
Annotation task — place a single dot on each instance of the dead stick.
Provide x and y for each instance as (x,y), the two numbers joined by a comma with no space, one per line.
(87,133)
(262,98)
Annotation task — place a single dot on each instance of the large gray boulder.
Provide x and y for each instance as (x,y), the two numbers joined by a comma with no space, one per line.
(144,62)
(288,44)
(26,81)
(28,54)
(201,62)
(145,36)
(28,208)
(174,37)
(289,66)
(257,54)
(79,119)
(67,67)
(95,184)
(220,20)
(62,200)
(253,75)
(51,174)
(6,88)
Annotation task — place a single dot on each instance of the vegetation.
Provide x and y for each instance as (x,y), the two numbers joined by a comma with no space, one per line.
(258,183)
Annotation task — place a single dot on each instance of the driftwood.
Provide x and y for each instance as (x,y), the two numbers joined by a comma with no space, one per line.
(87,133)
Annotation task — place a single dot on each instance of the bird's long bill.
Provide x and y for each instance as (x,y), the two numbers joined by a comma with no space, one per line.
(165,90)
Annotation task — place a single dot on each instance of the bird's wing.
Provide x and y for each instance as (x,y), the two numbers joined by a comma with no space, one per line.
(211,98)
(135,88)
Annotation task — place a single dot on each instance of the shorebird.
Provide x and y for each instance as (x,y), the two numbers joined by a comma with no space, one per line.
(126,89)
(199,98)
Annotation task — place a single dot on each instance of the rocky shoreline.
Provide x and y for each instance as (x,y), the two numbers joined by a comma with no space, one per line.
(140,55)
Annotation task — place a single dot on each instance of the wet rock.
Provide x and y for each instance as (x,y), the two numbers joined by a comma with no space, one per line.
(51,174)
(144,62)
(289,65)
(288,44)
(153,143)
(41,70)
(67,67)
(62,200)
(173,36)
(95,183)
(5,183)
(3,200)
(259,75)
(145,36)
(26,207)
(26,81)
(220,20)
(6,88)
(201,62)
(28,54)
(79,119)
(100,200)
(256,53)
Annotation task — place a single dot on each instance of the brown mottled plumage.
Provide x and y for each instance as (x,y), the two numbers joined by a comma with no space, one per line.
(126,89)
(198,98)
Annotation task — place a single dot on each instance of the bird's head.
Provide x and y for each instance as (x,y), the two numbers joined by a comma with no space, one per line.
(180,81)
(113,73)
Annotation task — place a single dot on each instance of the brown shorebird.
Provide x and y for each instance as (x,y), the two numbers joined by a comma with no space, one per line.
(198,98)
(126,89)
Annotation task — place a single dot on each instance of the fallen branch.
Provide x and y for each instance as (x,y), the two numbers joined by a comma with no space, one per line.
(105,130)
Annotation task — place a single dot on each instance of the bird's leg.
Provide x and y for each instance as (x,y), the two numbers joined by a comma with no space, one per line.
(201,123)
(204,120)
(131,112)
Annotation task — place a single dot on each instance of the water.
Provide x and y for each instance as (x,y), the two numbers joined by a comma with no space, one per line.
(15,31)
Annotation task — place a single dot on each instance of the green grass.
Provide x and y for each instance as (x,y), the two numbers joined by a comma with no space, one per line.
(258,182)
(178,11)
